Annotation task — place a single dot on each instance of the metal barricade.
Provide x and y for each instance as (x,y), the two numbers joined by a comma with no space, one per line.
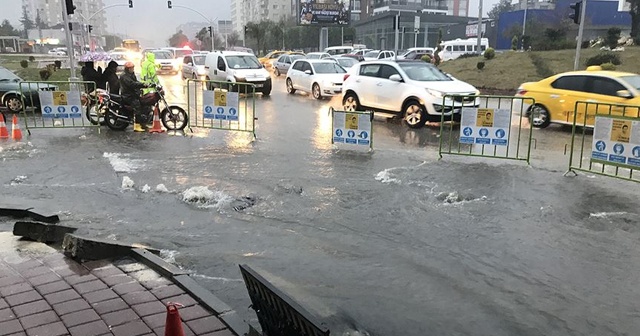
(56,104)
(221,105)
(490,126)
(279,314)
(353,129)
(613,147)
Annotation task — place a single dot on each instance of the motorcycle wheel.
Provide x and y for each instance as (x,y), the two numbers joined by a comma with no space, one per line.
(174,118)
(114,123)
(94,116)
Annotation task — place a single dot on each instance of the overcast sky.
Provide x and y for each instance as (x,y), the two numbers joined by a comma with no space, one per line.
(152,20)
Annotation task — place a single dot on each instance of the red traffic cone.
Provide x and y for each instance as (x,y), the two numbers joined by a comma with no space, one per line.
(173,325)
(156,127)
(4,132)
(16,133)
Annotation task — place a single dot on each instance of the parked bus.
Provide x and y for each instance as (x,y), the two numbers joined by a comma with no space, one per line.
(458,47)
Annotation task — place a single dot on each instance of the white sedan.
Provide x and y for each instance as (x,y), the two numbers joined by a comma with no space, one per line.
(320,77)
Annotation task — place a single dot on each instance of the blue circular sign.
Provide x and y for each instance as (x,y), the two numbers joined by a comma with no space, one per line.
(338,132)
(232,111)
(61,109)
(47,109)
(636,151)
(467,131)
(220,110)
(74,109)
(601,146)
(484,132)
(208,109)
(351,134)
(500,134)
(618,148)
(364,135)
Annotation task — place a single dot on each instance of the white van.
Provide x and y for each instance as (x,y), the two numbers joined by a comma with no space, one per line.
(337,51)
(236,67)
(458,47)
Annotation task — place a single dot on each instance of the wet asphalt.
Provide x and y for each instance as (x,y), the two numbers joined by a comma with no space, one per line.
(389,242)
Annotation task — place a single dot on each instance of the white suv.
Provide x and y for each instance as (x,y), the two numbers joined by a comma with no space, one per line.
(236,67)
(413,90)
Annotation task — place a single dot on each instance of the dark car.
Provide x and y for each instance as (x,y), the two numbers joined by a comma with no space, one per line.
(11,95)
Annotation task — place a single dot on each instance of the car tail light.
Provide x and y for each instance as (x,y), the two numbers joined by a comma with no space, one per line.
(345,77)
(521,92)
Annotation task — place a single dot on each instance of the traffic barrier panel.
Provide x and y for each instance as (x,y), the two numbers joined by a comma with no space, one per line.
(221,105)
(490,126)
(605,140)
(353,130)
(55,104)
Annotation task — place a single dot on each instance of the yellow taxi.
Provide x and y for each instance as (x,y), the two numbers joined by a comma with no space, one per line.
(556,96)
(271,57)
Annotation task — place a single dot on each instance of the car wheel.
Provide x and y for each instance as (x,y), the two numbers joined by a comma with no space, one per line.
(351,103)
(315,90)
(290,88)
(277,72)
(13,103)
(539,116)
(414,114)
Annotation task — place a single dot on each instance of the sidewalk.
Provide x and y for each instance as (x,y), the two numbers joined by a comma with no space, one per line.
(44,293)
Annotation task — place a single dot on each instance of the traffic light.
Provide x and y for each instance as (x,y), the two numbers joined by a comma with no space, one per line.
(90,28)
(209,29)
(70,7)
(576,12)
(169,4)
(130,3)
(246,30)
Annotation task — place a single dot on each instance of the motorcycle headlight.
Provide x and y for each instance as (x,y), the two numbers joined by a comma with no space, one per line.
(435,93)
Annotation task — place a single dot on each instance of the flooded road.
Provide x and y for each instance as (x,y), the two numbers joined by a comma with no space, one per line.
(392,242)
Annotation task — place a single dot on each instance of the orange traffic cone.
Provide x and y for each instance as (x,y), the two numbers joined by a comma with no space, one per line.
(4,132)
(173,325)
(16,133)
(156,127)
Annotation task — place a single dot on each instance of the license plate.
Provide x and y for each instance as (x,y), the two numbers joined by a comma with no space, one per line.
(259,85)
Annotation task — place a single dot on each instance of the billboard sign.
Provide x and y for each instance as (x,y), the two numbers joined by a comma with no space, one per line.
(324,12)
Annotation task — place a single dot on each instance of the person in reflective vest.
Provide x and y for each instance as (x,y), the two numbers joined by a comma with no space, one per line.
(148,72)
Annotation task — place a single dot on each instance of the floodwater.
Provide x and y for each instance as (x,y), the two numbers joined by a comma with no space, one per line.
(389,242)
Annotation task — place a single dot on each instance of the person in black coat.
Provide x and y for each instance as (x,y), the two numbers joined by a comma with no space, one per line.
(111,77)
(89,74)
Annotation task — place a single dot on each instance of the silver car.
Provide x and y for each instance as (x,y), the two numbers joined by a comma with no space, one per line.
(193,66)
(345,62)
(283,63)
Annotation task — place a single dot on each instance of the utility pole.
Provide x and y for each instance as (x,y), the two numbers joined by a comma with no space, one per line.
(67,30)
(479,47)
(524,22)
(40,30)
(397,26)
(583,12)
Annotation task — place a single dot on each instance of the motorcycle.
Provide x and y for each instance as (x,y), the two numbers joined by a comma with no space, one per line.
(96,105)
(118,116)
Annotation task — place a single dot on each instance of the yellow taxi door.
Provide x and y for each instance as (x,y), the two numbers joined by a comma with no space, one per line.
(569,89)
(605,90)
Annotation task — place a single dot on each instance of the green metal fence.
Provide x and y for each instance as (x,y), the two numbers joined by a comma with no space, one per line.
(56,104)
(490,126)
(605,140)
(222,105)
(353,129)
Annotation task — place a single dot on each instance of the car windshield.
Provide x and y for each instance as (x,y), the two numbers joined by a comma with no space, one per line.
(347,62)
(182,53)
(199,60)
(313,56)
(243,62)
(423,72)
(8,76)
(162,54)
(372,54)
(328,68)
(296,57)
(632,80)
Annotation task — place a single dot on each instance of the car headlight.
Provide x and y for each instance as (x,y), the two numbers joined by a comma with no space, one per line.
(239,77)
(435,93)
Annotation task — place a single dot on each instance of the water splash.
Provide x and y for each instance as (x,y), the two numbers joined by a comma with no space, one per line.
(145,188)
(606,214)
(202,197)
(161,188)
(169,256)
(121,163)
(386,177)
(127,183)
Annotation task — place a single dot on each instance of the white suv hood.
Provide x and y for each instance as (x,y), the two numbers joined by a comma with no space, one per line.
(447,87)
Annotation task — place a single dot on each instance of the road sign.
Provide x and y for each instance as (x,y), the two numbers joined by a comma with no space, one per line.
(60,104)
(485,126)
(616,141)
(416,23)
(224,103)
(352,129)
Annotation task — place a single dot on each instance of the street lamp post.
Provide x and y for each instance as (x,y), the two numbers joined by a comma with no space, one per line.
(479,47)
(70,51)
(524,21)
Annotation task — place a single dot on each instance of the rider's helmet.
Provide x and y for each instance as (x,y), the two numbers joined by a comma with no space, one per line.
(129,65)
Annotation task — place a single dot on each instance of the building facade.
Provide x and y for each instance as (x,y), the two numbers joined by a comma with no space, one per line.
(448,7)
(245,11)
(50,12)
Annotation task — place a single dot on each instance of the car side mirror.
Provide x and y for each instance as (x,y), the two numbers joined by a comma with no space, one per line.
(395,78)
(308,72)
(624,94)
